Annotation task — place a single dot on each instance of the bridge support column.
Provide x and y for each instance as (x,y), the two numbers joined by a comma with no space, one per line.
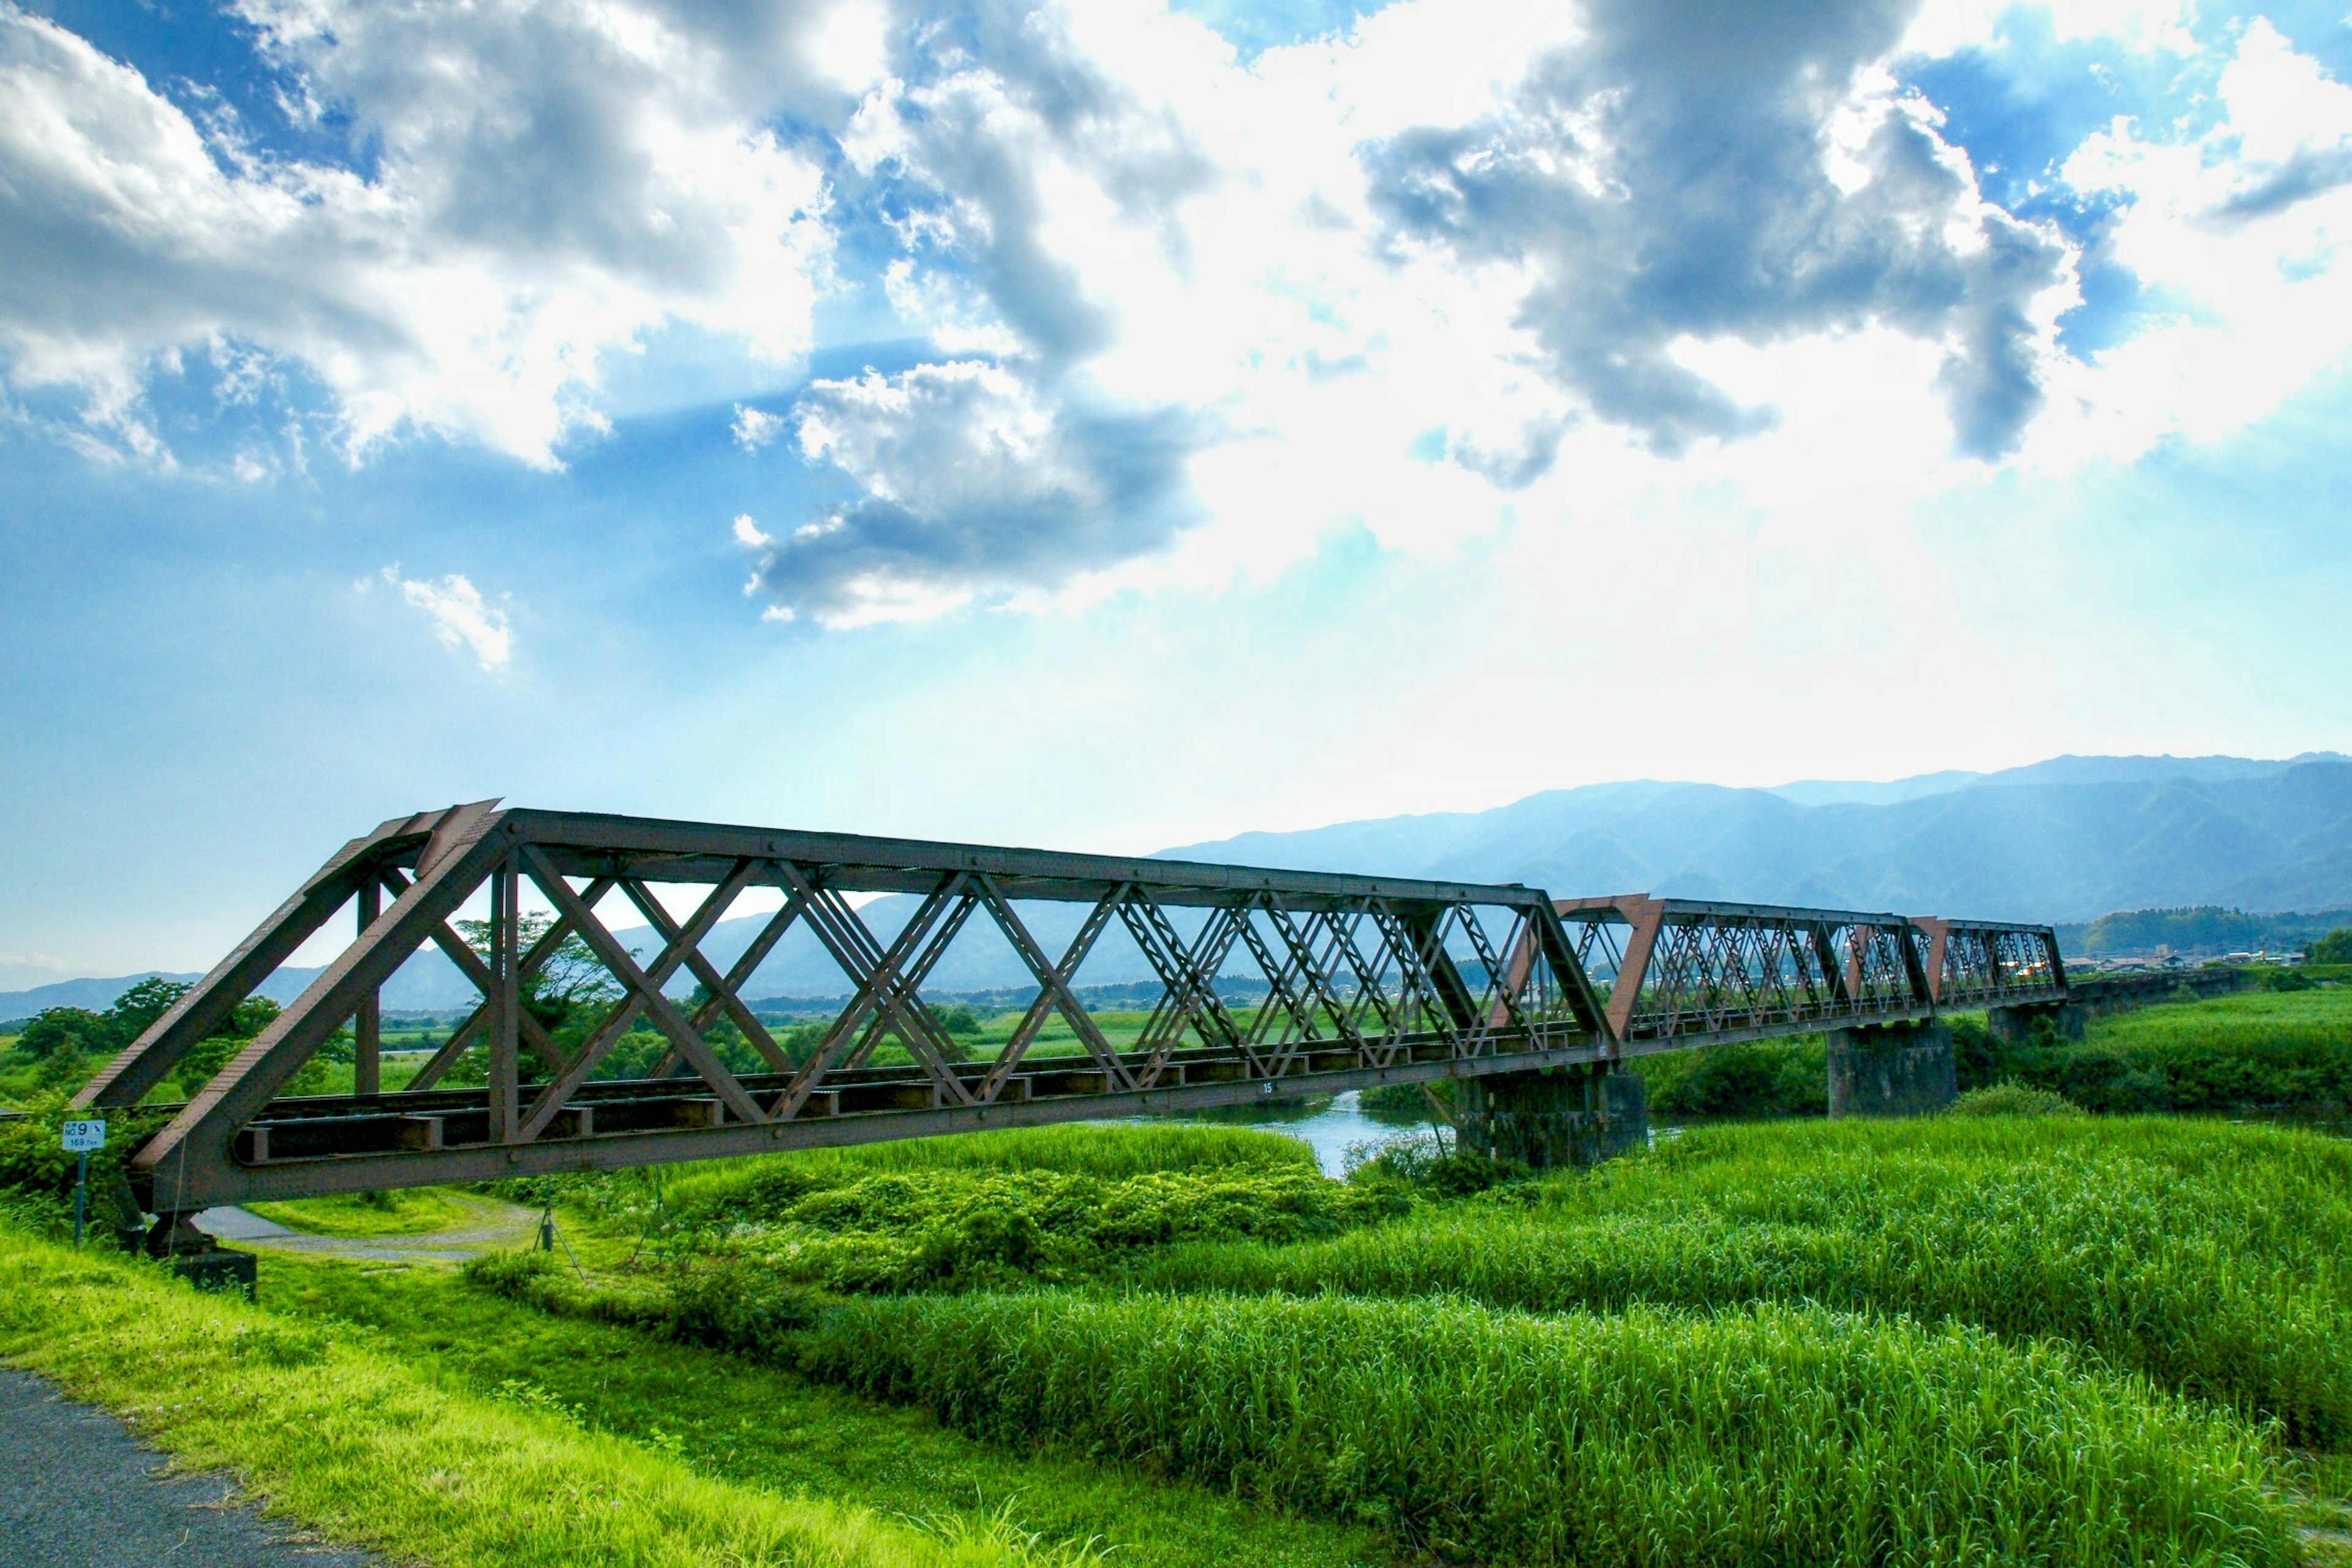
(1558,1116)
(2011,1025)
(1891,1069)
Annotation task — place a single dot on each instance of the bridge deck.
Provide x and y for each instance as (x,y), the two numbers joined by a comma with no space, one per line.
(1359,981)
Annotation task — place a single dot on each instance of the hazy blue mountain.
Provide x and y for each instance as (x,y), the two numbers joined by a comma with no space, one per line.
(2067,840)
(95,995)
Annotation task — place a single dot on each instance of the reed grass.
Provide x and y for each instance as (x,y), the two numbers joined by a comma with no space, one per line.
(1774,1435)
(2215,1259)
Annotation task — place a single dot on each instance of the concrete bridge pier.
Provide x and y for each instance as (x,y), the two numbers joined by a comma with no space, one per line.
(1891,1069)
(1556,1116)
(2013,1025)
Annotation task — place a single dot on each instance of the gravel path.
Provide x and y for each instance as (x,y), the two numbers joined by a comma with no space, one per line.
(495,1226)
(78,1491)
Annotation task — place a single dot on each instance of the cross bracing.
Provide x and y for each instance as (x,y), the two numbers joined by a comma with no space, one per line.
(1359,981)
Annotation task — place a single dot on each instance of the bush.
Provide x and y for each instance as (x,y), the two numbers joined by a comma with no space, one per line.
(2336,947)
(1745,1079)
(958,1230)
(2012,1099)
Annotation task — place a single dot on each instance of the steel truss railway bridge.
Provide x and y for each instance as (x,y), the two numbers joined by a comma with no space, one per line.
(1270,984)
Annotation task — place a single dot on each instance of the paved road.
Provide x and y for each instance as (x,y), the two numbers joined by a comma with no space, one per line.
(77,1491)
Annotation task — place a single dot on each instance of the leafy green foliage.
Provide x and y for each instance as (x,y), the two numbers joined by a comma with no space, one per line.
(958,1229)
(2336,947)
(1743,1078)
(1773,1436)
(2251,1051)
(66,1045)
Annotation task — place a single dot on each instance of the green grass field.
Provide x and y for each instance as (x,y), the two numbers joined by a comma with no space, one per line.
(2032,1340)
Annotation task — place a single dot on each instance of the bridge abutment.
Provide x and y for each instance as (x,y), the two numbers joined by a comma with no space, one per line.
(1556,1117)
(1891,1069)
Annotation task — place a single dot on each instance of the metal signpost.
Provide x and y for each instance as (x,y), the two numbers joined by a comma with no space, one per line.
(77,1140)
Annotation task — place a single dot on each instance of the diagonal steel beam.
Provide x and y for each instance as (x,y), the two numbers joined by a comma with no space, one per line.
(148,1059)
(202,1132)
(647,991)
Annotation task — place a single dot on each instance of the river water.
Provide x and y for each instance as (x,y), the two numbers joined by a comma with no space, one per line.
(1336,1129)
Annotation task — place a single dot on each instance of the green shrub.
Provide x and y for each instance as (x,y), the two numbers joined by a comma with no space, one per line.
(2012,1099)
(1745,1079)
(957,1229)
(1777,1436)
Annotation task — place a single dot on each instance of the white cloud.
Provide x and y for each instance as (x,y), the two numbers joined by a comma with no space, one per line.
(461,618)
(1466,268)
(551,183)
(2235,236)
(755,427)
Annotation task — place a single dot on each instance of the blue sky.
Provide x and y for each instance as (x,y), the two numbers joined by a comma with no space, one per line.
(1115,426)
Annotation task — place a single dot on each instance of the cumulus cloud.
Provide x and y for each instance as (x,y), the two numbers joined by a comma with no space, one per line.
(2233,233)
(549,183)
(1691,171)
(972,484)
(755,427)
(1174,313)
(461,618)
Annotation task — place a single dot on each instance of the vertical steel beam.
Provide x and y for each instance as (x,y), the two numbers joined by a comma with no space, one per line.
(506,1002)
(367,1023)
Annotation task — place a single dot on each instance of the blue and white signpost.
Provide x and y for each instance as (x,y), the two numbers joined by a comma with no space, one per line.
(78,1139)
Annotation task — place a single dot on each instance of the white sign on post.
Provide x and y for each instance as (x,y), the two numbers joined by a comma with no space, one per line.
(82,1137)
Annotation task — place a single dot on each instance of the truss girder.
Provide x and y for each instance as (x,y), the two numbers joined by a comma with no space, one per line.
(1686,971)
(1271,982)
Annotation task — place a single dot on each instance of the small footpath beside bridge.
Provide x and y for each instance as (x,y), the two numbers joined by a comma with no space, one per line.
(1270,984)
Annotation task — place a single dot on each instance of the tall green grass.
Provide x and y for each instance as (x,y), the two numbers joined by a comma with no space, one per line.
(2212,1258)
(1109,1151)
(1776,1435)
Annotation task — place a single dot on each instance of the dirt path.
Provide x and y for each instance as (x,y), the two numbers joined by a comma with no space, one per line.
(493,1226)
(78,1491)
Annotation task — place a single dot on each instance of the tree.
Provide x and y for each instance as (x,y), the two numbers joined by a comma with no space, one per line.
(2336,947)
(65,1032)
(571,981)
(144,1003)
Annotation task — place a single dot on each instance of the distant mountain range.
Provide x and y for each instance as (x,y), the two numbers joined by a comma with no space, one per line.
(2065,841)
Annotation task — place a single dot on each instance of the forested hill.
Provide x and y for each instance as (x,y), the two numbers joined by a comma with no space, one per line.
(2068,839)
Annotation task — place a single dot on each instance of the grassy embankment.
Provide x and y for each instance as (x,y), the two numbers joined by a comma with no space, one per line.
(758,1435)
(2217,1259)
(2267,1052)
(333,1429)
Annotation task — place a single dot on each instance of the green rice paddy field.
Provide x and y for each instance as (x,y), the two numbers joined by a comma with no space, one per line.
(1968,1339)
